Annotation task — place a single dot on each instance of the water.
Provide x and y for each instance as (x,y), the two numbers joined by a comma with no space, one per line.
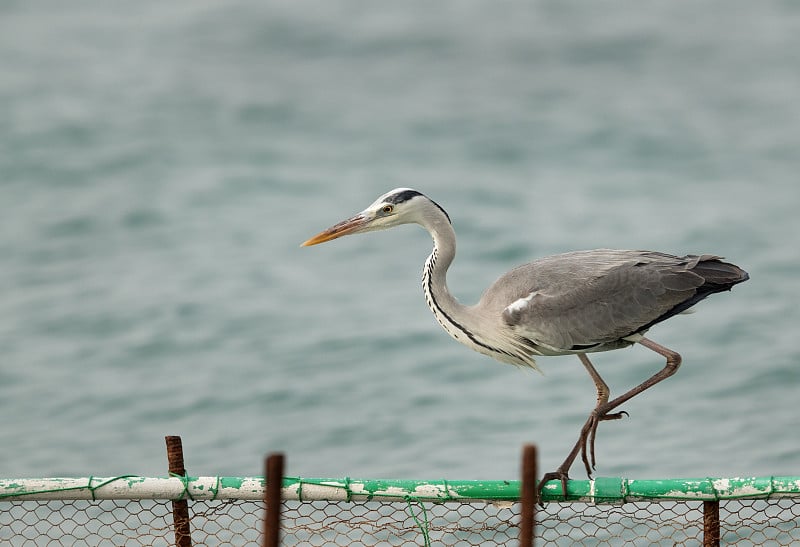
(160,165)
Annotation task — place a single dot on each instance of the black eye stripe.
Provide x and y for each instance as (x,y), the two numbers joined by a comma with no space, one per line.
(400,197)
(406,195)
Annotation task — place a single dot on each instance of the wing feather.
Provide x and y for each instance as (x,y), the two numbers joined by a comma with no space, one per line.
(592,298)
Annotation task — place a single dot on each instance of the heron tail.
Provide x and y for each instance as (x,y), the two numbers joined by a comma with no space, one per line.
(718,275)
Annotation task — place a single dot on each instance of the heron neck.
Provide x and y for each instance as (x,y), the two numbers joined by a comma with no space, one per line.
(451,314)
(466,324)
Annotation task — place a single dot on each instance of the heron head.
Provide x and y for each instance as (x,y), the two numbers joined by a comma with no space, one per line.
(400,206)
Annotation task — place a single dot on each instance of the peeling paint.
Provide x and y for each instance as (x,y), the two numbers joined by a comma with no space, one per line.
(603,490)
(722,484)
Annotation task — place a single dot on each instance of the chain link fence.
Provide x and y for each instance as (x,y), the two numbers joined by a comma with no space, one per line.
(362,519)
(181,510)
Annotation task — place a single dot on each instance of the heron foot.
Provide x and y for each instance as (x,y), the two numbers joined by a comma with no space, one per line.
(585,446)
(589,433)
(559,474)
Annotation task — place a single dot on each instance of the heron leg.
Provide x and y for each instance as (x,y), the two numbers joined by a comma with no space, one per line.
(601,411)
(673,363)
(587,437)
(588,432)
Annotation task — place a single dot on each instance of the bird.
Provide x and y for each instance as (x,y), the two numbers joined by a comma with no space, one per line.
(574,303)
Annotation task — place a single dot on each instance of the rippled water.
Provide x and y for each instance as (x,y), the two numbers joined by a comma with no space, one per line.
(160,164)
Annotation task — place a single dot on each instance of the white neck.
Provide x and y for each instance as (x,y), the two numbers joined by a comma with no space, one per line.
(463,323)
(458,320)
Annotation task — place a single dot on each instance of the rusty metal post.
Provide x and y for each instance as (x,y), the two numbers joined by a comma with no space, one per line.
(180,508)
(528,496)
(272,497)
(711,531)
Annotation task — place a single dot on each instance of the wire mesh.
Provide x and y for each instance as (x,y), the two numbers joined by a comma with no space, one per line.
(237,522)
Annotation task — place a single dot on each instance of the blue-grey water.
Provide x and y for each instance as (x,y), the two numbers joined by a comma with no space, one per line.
(160,163)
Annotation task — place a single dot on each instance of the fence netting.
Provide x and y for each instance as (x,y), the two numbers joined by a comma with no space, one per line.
(747,522)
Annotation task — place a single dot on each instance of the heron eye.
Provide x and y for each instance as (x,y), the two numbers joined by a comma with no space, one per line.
(387,209)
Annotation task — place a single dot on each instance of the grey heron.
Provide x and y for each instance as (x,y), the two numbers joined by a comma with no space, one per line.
(574,303)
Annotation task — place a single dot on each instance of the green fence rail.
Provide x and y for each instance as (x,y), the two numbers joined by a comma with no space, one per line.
(600,490)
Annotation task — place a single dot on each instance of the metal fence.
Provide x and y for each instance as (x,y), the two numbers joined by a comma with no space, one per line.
(182,510)
(230,511)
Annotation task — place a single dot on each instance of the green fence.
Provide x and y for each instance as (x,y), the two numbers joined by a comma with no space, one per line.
(133,510)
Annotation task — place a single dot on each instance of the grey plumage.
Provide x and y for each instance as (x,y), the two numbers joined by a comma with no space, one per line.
(598,300)
(572,303)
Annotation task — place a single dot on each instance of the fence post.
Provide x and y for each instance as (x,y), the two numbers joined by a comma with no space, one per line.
(180,508)
(528,496)
(711,532)
(273,476)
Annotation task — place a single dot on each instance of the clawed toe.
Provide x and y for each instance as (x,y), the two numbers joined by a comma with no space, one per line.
(584,446)
(588,435)
(559,475)
(613,416)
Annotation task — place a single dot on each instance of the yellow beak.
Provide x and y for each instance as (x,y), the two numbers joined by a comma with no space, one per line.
(349,226)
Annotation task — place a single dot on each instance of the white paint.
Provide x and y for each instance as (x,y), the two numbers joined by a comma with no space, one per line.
(721,485)
(208,488)
(252,488)
(131,488)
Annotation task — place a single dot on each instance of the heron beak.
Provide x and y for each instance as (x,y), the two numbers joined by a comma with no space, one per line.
(350,226)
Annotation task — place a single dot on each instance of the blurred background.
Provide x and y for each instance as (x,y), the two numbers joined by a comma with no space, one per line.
(160,163)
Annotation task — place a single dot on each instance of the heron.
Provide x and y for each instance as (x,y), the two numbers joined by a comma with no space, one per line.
(574,303)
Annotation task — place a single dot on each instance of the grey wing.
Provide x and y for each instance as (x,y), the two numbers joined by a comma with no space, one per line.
(591,307)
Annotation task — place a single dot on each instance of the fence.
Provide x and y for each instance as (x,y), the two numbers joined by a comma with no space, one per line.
(183,510)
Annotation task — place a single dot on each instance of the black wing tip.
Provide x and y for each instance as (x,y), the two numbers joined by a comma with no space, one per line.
(718,276)
(718,273)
